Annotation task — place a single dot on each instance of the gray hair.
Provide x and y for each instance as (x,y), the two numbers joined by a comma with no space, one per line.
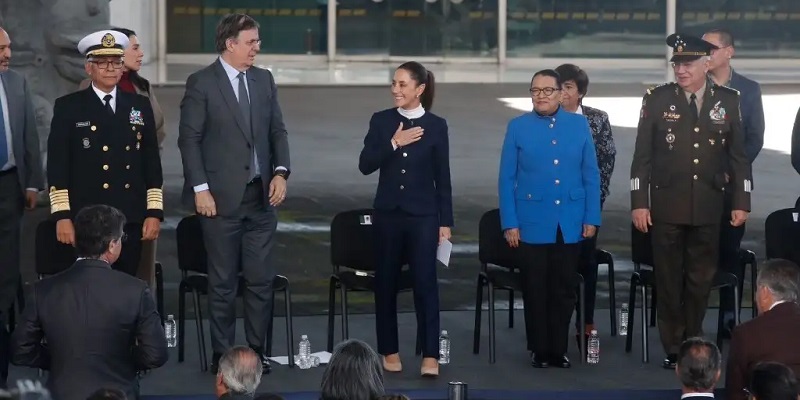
(781,277)
(240,368)
(699,363)
(353,373)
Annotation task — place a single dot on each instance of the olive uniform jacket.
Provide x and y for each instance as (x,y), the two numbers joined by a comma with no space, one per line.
(680,167)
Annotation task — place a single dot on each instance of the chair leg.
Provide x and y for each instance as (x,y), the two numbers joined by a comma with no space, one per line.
(491,324)
(345,316)
(753,276)
(160,291)
(645,338)
(476,329)
(181,322)
(511,309)
(270,325)
(631,315)
(201,336)
(331,312)
(653,306)
(612,298)
(582,322)
(287,298)
(736,297)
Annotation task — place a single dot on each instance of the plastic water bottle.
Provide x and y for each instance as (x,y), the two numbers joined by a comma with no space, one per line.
(593,350)
(171,331)
(303,358)
(444,348)
(623,320)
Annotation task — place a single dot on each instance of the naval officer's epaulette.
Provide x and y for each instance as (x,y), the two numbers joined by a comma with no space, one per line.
(663,86)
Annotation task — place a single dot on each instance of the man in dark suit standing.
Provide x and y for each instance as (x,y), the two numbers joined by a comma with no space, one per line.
(772,336)
(235,154)
(689,148)
(721,72)
(91,326)
(20,180)
(699,368)
(103,149)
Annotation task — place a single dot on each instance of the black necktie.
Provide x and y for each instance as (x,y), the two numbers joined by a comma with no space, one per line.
(244,102)
(693,106)
(107,99)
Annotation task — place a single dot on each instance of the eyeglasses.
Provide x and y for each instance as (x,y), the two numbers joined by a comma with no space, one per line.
(535,92)
(253,42)
(115,64)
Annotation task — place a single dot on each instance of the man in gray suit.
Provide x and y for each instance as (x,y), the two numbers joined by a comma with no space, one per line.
(235,154)
(21,178)
(752,112)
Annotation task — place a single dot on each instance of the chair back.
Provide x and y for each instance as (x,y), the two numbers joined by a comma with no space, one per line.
(191,248)
(492,245)
(782,234)
(641,247)
(52,256)
(353,240)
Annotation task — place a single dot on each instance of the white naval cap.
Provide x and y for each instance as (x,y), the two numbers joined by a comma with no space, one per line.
(103,43)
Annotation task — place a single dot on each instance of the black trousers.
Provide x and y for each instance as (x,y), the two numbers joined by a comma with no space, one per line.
(401,236)
(236,243)
(549,277)
(685,259)
(12,206)
(587,267)
(730,240)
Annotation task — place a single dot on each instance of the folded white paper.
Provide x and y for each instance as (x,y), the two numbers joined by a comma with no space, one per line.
(324,358)
(443,252)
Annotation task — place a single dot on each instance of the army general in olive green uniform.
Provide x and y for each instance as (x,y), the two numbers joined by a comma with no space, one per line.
(688,146)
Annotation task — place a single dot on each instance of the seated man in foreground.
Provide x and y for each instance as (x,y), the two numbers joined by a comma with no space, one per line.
(699,366)
(100,326)
(239,374)
(772,336)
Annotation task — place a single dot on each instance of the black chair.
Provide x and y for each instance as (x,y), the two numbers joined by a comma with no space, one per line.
(605,258)
(17,306)
(644,279)
(499,270)
(193,263)
(353,259)
(748,257)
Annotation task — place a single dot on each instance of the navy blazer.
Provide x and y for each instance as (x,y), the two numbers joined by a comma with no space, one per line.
(416,177)
(549,177)
(752,112)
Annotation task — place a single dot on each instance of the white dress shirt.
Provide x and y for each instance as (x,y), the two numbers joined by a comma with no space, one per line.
(101,94)
(690,395)
(233,78)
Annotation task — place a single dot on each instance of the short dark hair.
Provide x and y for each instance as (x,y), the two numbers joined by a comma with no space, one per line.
(725,36)
(108,394)
(572,72)
(773,380)
(699,364)
(551,73)
(230,26)
(781,277)
(422,76)
(125,31)
(353,373)
(95,228)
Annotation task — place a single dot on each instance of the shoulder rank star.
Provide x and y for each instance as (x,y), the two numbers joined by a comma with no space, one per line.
(136,117)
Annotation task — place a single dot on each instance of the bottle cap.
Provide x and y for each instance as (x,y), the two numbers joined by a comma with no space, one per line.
(444,331)
(170,316)
(594,331)
(304,337)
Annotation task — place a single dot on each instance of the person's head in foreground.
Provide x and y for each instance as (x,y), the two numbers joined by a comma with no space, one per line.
(108,394)
(699,365)
(772,381)
(778,281)
(690,57)
(239,372)
(353,373)
(99,233)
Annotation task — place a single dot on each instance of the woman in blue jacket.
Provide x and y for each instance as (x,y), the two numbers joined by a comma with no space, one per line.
(413,208)
(549,189)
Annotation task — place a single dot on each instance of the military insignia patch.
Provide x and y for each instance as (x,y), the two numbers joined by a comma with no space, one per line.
(86,143)
(717,114)
(108,40)
(136,117)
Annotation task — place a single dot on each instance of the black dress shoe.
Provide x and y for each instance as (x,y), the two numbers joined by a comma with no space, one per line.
(670,362)
(560,361)
(265,365)
(215,362)
(539,361)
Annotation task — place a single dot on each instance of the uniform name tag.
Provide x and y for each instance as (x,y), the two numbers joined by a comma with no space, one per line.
(82,124)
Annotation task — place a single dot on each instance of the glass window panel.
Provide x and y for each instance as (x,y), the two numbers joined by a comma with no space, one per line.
(761,29)
(441,28)
(287,26)
(586,28)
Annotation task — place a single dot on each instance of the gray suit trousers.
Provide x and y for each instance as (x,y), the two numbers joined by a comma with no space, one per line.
(241,243)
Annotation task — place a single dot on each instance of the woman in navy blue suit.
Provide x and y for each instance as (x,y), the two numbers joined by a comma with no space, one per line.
(549,189)
(413,208)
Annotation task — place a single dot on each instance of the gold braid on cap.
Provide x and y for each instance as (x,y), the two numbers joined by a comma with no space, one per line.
(59,200)
(155,199)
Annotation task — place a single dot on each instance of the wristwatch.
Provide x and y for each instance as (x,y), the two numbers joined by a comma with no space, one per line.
(282,173)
